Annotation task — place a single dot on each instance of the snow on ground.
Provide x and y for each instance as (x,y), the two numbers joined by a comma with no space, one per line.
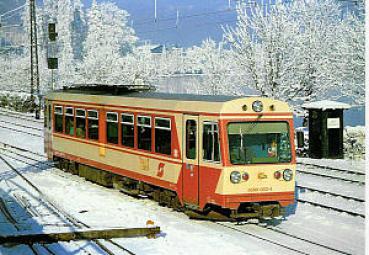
(103,208)
(100,207)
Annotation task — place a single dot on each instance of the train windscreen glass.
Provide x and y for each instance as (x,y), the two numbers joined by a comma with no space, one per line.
(259,142)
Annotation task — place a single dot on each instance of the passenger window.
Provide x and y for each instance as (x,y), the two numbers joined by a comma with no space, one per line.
(163,136)
(69,120)
(191,130)
(210,142)
(93,124)
(46,120)
(58,116)
(81,123)
(144,132)
(128,134)
(49,115)
(112,127)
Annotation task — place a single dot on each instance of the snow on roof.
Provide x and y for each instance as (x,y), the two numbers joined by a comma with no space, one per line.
(326,104)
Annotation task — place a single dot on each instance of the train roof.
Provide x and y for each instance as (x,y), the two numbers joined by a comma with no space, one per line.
(158,95)
(158,101)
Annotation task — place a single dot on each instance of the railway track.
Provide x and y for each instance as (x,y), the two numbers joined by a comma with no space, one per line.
(19,115)
(287,241)
(52,205)
(26,158)
(332,176)
(21,131)
(22,125)
(332,168)
(330,193)
(333,208)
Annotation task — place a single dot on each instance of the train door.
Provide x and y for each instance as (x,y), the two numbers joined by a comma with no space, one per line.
(48,130)
(190,160)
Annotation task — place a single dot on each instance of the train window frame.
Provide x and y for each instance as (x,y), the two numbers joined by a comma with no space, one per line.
(131,123)
(165,128)
(80,117)
(265,163)
(59,113)
(93,118)
(88,123)
(187,141)
(68,108)
(144,125)
(164,118)
(213,125)
(49,116)
(67,114)
(107,120)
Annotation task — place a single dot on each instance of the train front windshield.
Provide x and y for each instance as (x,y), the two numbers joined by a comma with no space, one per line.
(259,142)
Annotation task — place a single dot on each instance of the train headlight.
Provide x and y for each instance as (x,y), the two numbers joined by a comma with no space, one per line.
(235,177)
(257,106)
(287,174)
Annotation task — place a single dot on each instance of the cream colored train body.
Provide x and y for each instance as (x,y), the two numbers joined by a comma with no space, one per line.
(228,154)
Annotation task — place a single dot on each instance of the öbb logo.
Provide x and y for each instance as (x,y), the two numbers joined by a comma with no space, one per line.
(160,171)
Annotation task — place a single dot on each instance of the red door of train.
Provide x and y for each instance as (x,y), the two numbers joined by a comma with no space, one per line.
(190,157)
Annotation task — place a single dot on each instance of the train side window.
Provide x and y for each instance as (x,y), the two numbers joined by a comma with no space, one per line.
(58,116)
(128,134)
(93,124)
(163,136)
(191,129)
(49,115)
(80,123)
(46,120)
(112,127)
(144,132)
(210,142)
(69,120)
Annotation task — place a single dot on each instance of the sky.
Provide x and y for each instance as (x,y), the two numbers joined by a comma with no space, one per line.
(198,20)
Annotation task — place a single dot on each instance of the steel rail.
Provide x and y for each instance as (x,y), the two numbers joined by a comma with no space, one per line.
(59,210)
(288,247)
(331,176)
(20,116)
(332,168)
(21,131)
(331,208)
(332,193)
(21,125)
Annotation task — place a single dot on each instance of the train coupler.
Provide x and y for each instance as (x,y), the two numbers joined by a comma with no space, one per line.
(258,211)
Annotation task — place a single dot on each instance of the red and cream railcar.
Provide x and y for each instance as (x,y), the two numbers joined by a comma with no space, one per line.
(232,155)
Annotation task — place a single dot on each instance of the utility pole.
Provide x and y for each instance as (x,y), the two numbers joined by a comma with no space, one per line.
(35,78)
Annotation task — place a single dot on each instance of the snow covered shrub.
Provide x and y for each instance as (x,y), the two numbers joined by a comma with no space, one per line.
(354,142)
(20,102)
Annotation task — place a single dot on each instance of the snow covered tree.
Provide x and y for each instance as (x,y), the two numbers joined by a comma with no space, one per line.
(65,17)
(210,62)
(289,51)
(349,66)
(108,36)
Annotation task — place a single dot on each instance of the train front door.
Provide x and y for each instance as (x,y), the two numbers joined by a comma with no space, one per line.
(190,160)
(48,130)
